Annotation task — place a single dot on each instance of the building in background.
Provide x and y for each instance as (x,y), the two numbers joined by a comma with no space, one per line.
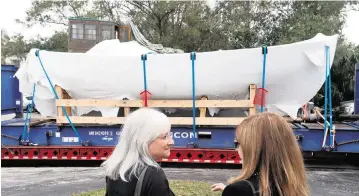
(84,33)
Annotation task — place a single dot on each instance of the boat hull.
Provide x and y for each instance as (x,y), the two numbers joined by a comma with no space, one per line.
(294,74)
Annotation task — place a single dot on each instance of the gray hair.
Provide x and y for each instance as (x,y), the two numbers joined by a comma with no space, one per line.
(131,153)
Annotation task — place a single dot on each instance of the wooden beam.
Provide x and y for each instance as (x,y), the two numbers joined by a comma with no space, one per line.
(202,112)
(156,103)
(252,93)
(60,94)
(126,111)
(174,120)
(34,123)
(67,96)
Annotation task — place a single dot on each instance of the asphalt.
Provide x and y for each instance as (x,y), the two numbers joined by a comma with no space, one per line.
(59,181)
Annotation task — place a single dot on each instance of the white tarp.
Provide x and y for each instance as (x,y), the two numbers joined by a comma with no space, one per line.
(113,70)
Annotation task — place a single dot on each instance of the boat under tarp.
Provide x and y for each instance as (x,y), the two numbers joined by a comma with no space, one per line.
(113,70)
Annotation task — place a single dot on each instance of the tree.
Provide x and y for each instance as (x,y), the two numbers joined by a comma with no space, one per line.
(189,26)
(308,18)
(4,40)
(249,23)
(15,48)
(55,12)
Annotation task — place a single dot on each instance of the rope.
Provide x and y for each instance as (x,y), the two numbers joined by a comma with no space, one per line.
(155,47)
(264,52)
(193,58)
(37,53)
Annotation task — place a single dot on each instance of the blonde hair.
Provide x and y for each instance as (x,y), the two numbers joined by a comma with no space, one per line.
(270,148)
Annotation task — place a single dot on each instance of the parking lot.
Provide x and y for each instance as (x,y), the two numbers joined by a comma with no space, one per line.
(59,181)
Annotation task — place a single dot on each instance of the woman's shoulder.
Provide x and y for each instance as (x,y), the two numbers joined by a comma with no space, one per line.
(155,173)
(153,169)
(156,183)
(243,187)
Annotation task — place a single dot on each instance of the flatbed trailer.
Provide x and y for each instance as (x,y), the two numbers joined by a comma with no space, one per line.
(212,140)
(50,141)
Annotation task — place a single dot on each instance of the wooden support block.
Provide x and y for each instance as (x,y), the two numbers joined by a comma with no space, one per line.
(60,94)
(63,95)
(202,113)
(67,96)
(234,121)
(252,93)
(126,110)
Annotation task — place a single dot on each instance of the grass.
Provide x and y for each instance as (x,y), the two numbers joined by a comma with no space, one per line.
(179,187)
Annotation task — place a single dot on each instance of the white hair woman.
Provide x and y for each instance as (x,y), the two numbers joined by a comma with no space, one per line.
(145,138)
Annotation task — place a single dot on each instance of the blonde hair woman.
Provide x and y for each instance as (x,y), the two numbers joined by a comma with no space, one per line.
(272,163)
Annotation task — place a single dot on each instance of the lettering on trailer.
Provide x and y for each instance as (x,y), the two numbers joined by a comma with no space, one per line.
(183,135)
(101,133)
(108,135)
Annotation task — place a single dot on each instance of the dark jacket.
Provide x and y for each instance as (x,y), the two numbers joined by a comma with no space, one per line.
(247,187)
(155,183)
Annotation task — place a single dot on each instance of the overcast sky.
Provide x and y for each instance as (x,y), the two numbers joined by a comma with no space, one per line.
(13,9)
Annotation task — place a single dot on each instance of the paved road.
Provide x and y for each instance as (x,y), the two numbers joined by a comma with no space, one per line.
(58,181)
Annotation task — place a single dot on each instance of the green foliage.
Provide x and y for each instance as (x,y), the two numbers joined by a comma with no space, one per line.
(55,12)
(308,18)
(186,25)
(179,187)
(15,48)
(342,74)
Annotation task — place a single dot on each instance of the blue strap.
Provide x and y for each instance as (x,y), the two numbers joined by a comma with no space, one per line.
(29,110)
(25,125)
(144,58)
(326,92)
(264,52)
(328,97)
(32,109)
(193,58)
(37,53)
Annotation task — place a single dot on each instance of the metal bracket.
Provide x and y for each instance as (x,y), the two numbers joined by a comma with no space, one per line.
(299,137)
(192,145)
(86,143)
